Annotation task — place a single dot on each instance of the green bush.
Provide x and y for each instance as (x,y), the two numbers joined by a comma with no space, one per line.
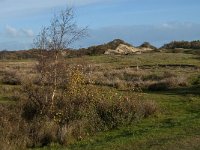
(196,81)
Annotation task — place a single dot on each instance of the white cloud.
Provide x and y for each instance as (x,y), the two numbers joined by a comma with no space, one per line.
(28,32)
(12,9)
(137,34)
(11,31)
(167,25)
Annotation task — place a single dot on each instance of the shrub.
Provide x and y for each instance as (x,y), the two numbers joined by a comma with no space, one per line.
(196,81)
(149,107)
(79,110)
(12,128)
(182,44)
(158,86)
(11,78)
(152,77)
(168,83)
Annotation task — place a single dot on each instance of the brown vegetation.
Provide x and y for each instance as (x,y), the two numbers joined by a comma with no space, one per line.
(133,79)
(79,110)
(55,104)
(93,50)
(182,44)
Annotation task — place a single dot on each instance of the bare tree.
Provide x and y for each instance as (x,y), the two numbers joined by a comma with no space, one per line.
(62,32)
(52,41)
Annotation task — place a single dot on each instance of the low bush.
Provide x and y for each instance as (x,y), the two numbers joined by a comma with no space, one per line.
(168,83)
(79,110)
(10,78)
(158,86)
(196,81)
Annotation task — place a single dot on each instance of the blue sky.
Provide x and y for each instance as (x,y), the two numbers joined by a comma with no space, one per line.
(135,21)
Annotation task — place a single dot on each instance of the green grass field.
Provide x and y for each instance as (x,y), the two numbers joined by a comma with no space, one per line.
(175,126)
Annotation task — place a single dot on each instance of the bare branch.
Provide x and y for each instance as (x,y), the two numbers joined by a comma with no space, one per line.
(59,35)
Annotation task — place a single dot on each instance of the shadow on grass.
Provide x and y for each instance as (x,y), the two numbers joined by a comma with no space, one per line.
(194,90)
(183,91)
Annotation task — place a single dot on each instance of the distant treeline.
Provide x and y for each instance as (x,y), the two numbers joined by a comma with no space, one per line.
(98,50)
(93,50)
(21,54)
(182,44)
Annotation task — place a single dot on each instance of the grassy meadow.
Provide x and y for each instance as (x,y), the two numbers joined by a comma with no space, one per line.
(171,81)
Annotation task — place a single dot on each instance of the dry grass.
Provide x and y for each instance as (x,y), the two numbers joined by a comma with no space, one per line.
(132,79)
(89,107)
(80,110)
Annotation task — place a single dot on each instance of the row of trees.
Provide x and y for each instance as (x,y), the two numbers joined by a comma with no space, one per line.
(182,44)
(17,55)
